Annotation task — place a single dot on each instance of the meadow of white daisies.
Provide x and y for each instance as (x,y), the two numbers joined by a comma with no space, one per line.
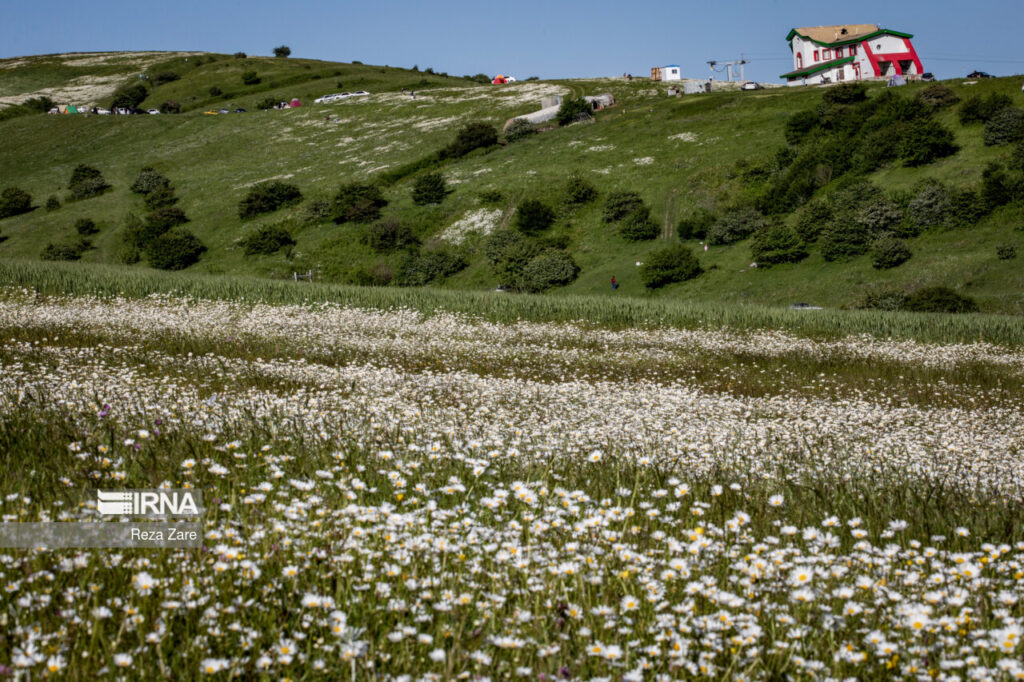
(394,495)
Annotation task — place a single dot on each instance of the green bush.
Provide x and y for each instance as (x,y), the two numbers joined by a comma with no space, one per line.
(996,187)
(170,107)
(777,243)
(267,240)
(476,135)
(376,275)
(842,240)
(282,51)
(938,96)
(240,55)
(925,141)
(86,227)
(845,93)
(508,252)
(578,191)
(939,300)
(638,225)
(267,197)
(161,197)
(695,225)
(55,252)
(929,205)
(86,182)
(268,103)
(149,180)
(14,201)
(618,205)
(533,217)
(163,219)
(174,250)
(574,110)
(357,203)
(812,219)
(129,97)
(887,252)
(417,269)
(39,105)
(799,125)
(166,77)
(1006,127)
(251,78)
(519,129)
(966,206)
(215,91)
(879,215)
(675,263)
(734,225)
(389,235)
(429,189)
(549,269)
(1006,252)
(52,203)
(884,299)
(976,109)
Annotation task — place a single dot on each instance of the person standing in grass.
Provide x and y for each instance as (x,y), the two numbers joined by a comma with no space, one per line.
(615,285)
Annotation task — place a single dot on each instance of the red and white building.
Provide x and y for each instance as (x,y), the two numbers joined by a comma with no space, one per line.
(851,52)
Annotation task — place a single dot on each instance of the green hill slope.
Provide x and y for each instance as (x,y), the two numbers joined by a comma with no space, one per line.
(679,154)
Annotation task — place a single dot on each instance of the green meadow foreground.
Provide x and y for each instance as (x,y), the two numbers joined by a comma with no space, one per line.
(394,489)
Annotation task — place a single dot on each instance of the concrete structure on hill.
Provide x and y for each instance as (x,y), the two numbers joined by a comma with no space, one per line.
(666,73)
(551,105)
(850,52)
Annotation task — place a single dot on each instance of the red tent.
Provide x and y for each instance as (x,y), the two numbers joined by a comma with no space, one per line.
(295,103)
(499,80)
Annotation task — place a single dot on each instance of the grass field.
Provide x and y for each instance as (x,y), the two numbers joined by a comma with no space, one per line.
(439,484)
(678,153)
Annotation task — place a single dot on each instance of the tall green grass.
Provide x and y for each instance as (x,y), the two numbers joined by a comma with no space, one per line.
(107,280)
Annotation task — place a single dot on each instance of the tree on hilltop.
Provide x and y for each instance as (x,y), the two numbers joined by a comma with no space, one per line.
(282,51)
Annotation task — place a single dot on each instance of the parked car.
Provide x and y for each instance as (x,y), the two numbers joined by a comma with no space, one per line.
(928,76)
(979,74)
(224,111)
(152,111)
(751,85)
(103,112)
(239,111)
(211,112)
(359,93)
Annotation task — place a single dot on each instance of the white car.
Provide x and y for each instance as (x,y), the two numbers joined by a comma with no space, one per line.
(359,93)
(103,112)
(751,85)
(153,111)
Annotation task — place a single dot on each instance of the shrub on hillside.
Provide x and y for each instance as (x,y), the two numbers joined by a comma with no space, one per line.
(618,205)
(176,249)
(170,107)
(86,182)
(267,240)
(282,51)
(52,203)
(978,109)
(267,197)
(161,197)
(939,300)
(533,217)
(842,240)
(508,252)
(215,91)
(66,252)
(417,269)
(251,78)
(357,203)
(1006,127)
(429,189)
(1006,252)
(879,215)
(475,135)
(695,225)
(574,110)
(240,55)
(39,105)
(86,227)
(163,219)
(938,96)
(734,225)
(578,191)
(268,103)
(883,299)
(929,205)
(845,93)
(888,251)
(166,77)
(148,180)
(996,187)
(799,125)
(966,206)
(639,226)
(675,263)
(777,243)
(519,129)
(812,219)
(129,97)
(925,141)
(389,235)
(14,201)
(550,268)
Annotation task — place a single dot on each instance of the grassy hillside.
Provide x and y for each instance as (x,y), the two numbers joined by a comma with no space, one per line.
(680,154)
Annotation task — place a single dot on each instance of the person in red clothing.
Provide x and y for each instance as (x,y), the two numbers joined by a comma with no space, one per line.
(615,285)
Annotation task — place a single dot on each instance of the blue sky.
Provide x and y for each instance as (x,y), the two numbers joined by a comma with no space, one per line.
(559,39)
